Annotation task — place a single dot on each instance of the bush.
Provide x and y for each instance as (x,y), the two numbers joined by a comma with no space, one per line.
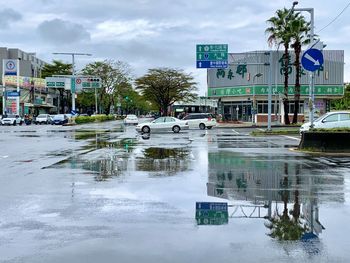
(96,118)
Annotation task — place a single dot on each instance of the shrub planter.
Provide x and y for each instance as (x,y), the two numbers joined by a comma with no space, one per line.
(325,141)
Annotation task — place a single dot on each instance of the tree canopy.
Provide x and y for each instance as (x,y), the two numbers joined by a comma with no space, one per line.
(114,75)
(165,86)
(57,67)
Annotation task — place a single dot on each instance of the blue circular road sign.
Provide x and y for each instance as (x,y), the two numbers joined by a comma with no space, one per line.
(312,59)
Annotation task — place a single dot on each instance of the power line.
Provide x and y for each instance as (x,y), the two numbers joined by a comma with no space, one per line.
(335,18)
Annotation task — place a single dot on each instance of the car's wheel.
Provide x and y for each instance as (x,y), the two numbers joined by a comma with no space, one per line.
(202,126)
(209,127)
(176,129)
(146,129)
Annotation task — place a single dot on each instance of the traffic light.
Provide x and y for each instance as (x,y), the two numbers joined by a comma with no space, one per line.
(94,79)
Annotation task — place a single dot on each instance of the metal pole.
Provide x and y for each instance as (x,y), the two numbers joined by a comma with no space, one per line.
(3,88)
(312,88)
(73,91)
(73,70)
(270,93)
(96,110)
(18,97)
(312,74)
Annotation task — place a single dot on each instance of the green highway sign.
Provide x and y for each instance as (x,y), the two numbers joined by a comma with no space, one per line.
(212,48)
(55,82)
(212,55)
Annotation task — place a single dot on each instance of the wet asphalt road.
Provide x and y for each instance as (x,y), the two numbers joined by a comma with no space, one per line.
(99,193)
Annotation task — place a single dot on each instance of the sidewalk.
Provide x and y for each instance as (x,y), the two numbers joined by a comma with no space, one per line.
(250,125)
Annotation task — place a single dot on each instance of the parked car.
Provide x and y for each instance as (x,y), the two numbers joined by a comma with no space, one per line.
(11,119)
(335,119)
(200,120)
(59,119)
(42,119)
(131,119)
(163,124)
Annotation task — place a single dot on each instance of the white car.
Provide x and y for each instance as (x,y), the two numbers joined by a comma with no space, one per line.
(163,124)
(200,120)
(335,119)
(42,118)
(12,119)
(131,119)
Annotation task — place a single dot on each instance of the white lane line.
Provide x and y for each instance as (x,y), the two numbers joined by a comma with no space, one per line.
(290,137)
(235,131)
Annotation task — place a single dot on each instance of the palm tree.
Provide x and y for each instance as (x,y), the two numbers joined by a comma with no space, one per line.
(299,29)
(279,34)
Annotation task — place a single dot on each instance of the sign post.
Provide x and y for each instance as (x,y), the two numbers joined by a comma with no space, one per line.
(312,60)
(11,68)
(212,56)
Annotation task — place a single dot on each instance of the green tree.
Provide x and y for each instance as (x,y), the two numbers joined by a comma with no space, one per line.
(165,86)
(299,31)
(57,67)
(113,74)
(279,34)
(343,103)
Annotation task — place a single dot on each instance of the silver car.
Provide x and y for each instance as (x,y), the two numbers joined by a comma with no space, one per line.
(334,119)
(163,124)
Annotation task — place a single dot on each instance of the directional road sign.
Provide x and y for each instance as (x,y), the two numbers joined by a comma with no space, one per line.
(212,56)
(312,59)
(55,82)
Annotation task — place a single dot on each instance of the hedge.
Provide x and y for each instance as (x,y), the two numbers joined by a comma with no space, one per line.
(95,118)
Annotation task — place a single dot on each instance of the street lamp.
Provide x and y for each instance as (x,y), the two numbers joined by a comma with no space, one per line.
(311,74)
(254,110)
(73,70)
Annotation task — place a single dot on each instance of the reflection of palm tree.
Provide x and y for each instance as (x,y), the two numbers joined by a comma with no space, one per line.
(283,227)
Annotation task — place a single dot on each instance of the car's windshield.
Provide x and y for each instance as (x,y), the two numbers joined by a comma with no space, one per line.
(11,116)
(58,117)
(42,116)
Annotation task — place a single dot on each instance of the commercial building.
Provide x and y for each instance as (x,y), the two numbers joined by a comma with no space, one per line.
(245,83)
(33,96)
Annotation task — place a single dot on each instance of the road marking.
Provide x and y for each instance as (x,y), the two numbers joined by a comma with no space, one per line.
(290,137)
(235,131)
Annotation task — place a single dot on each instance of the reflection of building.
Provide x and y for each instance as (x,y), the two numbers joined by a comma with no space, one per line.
(243,86)
(236,177)
(35,98)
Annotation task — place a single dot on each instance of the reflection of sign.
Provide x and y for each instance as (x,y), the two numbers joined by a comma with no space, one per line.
(212,56)
(211,213)
(10,66)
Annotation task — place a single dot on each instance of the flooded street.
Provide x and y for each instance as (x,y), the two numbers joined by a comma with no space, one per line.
(103,193)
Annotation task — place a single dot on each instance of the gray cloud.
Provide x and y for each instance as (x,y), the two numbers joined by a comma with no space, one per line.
(8,16)
(60,32)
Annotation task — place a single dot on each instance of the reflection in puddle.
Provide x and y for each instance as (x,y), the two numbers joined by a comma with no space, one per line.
(164,161)
(279,189)
(107,158)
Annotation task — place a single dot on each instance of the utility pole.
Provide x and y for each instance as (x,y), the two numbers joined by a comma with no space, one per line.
(73,71)
(312,73)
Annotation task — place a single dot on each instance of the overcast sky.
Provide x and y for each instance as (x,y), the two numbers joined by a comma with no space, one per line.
(155,33)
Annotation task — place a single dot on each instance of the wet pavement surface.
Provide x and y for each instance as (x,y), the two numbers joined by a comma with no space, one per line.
(103,193)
